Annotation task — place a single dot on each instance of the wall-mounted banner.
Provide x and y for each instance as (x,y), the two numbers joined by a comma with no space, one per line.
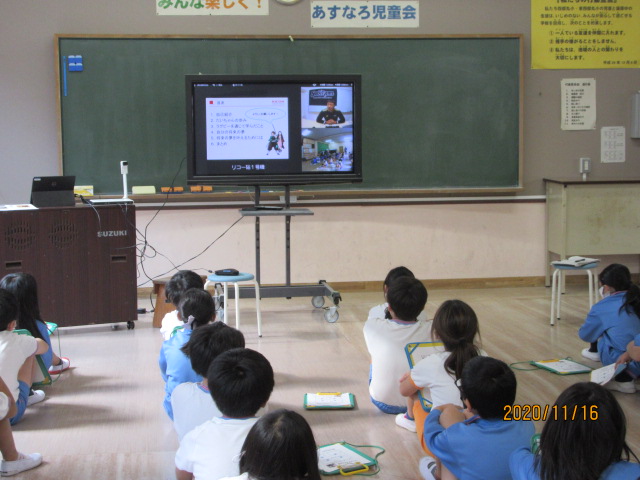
(585,34)
(212,7)
(364,14)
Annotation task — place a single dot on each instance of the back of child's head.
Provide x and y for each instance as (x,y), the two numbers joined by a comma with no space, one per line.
(25,289)
(618,277)
(180,283)
(8,309)
(407,297)
(584,434)
(196,308)
(489,385)
(455,324)
(209,341)
(394,274)
(240,382)
(280,445)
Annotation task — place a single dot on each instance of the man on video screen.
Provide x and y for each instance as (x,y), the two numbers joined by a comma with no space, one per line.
(330,116)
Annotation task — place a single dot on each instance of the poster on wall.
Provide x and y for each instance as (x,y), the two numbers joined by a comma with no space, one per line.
(212,7)
(585,34)
(578,104)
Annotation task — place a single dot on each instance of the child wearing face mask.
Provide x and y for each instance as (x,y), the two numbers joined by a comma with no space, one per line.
(613,322)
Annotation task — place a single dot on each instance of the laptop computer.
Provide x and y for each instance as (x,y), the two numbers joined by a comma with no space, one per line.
(53,191)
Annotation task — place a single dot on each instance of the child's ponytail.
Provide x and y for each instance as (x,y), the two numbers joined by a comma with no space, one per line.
(455,324)
(618,277)
(632,299)
(196,308)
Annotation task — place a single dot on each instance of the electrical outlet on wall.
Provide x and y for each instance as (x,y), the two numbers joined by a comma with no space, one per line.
(585,165)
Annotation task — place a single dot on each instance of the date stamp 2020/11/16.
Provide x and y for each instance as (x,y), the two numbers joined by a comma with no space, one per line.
(552,412)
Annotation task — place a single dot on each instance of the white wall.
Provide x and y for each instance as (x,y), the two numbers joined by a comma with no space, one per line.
(359,243)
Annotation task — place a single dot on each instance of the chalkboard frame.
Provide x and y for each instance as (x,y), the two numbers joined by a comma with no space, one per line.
(357,189)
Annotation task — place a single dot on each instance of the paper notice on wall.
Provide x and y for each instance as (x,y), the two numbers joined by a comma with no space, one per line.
(612,145)
(578,104)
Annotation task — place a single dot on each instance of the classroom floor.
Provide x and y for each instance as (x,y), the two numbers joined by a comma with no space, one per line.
(104,419)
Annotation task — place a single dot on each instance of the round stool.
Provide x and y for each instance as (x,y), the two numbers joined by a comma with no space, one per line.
(235,279)
(556,286)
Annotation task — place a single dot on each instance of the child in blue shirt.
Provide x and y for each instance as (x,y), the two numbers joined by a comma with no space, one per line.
(476,443)
(588,446)
(196,308)
(614,321)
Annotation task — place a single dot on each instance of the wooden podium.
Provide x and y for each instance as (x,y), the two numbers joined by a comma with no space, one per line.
(83,258)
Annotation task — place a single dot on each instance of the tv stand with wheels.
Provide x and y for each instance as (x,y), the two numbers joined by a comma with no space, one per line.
(318,291)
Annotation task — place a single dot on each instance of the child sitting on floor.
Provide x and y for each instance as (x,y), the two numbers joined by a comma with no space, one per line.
(588,446)
(196,309)
(280,445)
(25,289)
(191,402)
(455,324)
(382,310)
(476,443)
(613,322)
(17,357)
(386,340)
(241,381)
(178,284)
(13,462)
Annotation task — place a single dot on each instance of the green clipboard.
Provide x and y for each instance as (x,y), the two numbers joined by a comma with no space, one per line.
(343,459)
(417,351)
(561,366)
(329,401)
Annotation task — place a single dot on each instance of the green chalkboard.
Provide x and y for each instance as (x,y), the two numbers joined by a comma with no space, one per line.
(437,113)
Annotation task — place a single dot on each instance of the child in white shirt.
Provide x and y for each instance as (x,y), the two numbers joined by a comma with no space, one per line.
(381,311)
(455,324)
(191,402)
(173,290)
(13,462)
(386,340)
(280,445)
(241,381)
(17,357)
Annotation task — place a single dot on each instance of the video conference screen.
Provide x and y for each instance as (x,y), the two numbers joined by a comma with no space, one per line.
(255,130)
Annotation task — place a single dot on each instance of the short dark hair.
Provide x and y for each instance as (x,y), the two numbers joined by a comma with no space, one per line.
(198,304)
(582,448)
(209,341)
(395,273)
(280,445)
(180,283)
(8,308)
(489,385)
(240,381)
(407,297)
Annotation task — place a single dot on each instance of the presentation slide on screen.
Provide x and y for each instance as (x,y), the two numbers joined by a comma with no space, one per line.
(247,128)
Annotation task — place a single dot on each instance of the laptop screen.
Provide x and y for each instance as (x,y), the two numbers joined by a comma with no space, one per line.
(53,191)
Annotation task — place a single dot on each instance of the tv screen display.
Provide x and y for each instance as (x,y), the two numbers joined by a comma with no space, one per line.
(273,130)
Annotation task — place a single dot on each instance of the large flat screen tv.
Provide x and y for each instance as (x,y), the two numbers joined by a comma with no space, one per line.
(273,130)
